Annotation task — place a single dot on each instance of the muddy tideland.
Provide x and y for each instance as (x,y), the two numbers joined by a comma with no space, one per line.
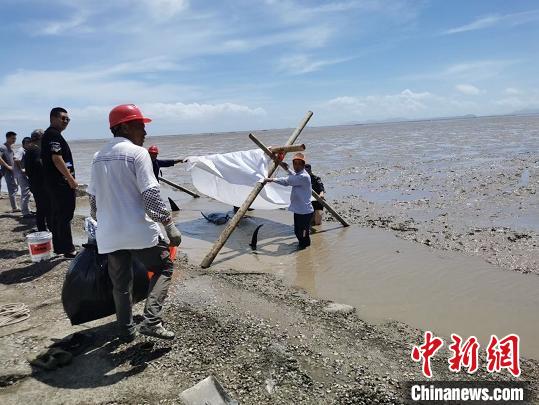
(266,342)
(443,238)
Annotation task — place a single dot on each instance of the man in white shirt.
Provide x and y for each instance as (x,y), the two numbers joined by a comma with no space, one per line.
(125,200)
(300,198)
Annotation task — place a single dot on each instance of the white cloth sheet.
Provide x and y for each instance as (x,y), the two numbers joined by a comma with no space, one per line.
(230,177)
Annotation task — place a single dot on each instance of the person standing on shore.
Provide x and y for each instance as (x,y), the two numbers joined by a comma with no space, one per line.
(126,203)
(318,187)
(22,179)
(157,164)
(7,163)
(34,170)
(60,183)
(300,198)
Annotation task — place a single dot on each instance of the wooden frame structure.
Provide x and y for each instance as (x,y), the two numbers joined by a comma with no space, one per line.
(177,186)
(219,243)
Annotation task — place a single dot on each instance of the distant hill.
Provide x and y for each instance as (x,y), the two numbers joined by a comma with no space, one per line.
(399,119)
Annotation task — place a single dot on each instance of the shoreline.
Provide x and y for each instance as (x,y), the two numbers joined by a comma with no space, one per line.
(264,341)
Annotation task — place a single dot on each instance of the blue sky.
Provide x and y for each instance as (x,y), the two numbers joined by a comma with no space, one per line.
(206,66)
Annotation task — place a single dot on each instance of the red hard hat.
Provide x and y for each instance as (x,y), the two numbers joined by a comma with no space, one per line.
(153,149)
(125,113)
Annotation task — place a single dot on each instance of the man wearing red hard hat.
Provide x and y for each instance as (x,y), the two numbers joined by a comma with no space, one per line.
(159,163)
(300,198)
(126,201)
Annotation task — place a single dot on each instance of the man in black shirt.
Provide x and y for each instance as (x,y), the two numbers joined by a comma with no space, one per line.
(34,171)
(157,164)
(318,187)
(60,183)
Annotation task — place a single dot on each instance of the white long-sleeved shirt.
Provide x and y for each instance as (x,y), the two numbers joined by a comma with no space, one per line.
(300,197)
(123,183)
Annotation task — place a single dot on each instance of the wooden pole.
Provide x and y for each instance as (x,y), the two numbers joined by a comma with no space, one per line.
(191,193)
(314,194)
(219,243)
(291,148)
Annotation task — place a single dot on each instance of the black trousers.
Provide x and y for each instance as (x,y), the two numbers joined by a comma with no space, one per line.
(62,199)
(302,226)
(156,258)
(43,206)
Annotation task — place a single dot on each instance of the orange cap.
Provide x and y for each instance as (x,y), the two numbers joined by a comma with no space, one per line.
(299,156)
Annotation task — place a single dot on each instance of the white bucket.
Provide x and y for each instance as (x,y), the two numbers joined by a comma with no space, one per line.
(40,245)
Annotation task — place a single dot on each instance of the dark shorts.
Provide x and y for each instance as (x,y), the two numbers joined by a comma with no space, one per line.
(317,206)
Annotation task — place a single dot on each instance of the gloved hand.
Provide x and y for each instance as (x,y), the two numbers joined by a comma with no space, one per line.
(173,233)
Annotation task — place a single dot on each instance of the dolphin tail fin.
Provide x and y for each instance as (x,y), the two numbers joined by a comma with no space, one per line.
(254,239)
(173,205)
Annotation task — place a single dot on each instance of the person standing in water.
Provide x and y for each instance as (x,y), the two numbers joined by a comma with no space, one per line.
(300,198)
(318,187)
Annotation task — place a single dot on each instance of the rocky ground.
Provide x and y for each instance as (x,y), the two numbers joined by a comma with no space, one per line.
(489,210)
(266,343)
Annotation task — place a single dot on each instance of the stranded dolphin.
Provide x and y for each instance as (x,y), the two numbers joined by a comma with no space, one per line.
(217,218)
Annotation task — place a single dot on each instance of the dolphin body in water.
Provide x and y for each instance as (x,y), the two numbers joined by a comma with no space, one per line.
(220,218)
(217,218)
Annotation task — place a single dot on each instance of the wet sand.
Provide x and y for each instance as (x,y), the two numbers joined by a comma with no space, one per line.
(381,275)
(444,236)
(461,194)
(266,342)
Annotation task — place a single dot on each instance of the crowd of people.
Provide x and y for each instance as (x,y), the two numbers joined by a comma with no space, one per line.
(44,168)
(125,201)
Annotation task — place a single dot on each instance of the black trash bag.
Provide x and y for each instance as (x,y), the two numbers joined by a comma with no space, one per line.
(87,289)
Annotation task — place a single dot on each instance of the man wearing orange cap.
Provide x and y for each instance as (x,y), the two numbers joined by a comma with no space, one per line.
(157,164)
(126,202)
(300,198)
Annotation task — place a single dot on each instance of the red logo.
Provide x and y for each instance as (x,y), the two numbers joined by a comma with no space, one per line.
(426,351)
(464,354)
(504,354)
(501,354)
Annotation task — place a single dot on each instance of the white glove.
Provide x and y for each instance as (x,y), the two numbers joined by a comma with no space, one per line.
(173,233)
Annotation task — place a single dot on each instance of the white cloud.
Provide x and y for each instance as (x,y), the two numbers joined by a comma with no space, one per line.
(91,92)
(494,20)
(467,89)
(519,100)
(512,91)
(300,64)
(61,27)
(480,23)
(199,112)
(165,9)
(92,85)
(292,12)
(309,37)
(472,71)
(401,104)
(92,16)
